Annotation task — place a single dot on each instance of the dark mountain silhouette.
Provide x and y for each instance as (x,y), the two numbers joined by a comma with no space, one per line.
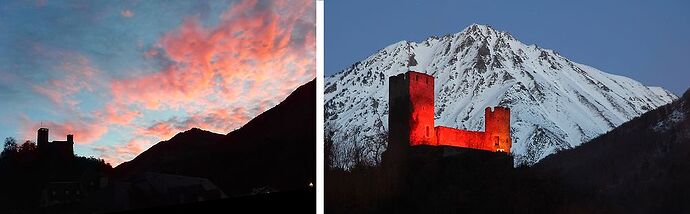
(641,166)
(275,151)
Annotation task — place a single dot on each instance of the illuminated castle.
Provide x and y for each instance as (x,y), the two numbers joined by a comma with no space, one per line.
(56,149)
(411,119)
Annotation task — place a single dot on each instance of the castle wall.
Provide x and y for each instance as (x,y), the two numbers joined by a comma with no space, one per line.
(62,149)
(460,138)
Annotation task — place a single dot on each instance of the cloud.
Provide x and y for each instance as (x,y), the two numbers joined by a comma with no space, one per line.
(257,54)
(75,73)
(116,155)
(216,120)
(117,114)
(127,13)
(215,78)
(85,131)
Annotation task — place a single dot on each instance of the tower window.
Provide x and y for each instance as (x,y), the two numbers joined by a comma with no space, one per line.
(427,131)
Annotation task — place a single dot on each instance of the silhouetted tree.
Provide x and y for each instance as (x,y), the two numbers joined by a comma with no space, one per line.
(328,146)
(27,147)
(27,152)
(11,147)
(357,153)
(380,143)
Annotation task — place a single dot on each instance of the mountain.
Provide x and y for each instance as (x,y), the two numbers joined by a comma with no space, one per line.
(275,151)
(555,103)
(642,164)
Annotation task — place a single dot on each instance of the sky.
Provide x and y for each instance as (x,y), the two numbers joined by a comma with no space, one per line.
(123,75)
(644,40)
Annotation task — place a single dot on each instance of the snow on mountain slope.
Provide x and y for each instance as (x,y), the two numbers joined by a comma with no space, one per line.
(555,103)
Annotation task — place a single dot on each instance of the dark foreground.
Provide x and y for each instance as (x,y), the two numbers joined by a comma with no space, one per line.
(642,166)
(301,201)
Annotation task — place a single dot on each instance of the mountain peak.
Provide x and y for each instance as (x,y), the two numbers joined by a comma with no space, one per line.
(479,27)
(484,30)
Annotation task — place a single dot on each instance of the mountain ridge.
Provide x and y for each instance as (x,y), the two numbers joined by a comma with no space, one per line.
(641,164)
(274,150)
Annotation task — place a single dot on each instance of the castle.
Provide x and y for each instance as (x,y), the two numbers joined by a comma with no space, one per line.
(411,119)
(55,149)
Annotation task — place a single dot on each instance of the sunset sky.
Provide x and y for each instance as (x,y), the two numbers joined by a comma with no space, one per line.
(123,75)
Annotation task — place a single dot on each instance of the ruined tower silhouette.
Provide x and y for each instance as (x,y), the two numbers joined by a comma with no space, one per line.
(55,149)
(411,120)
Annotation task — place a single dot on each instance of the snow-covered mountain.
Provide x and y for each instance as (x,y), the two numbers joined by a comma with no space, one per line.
(555,103)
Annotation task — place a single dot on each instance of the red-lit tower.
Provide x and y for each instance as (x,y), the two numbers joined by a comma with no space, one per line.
(411,105)
(497,129)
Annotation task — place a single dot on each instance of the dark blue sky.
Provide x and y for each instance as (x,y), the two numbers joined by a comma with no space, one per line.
(647,41)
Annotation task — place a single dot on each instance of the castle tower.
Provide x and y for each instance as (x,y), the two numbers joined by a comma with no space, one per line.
(412,109)
(497,129)
(398,115)
(42,138)
(410,122)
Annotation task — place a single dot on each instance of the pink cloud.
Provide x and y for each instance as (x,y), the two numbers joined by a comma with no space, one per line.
(127,13)
(251,56)
(76,74)
(151,53)
(117,114)
(215,120)
(220,76)
(85,132)
(160,130)
(115,155)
